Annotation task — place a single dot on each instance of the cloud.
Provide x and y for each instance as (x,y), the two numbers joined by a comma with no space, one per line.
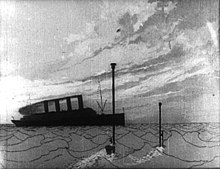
(125,15)
(117,9)
(107,40)
(126,20)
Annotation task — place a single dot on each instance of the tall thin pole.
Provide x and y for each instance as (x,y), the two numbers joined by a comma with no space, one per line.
(160,134)
(113,97)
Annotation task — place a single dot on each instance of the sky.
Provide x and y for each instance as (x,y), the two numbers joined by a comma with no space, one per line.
(165,51)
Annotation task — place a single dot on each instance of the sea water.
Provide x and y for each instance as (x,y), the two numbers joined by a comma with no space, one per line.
(184,145)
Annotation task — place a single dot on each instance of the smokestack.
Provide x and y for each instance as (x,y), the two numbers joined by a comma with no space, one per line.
(69,106)
(46,109)
(160,133)
(113,96)
(57,105)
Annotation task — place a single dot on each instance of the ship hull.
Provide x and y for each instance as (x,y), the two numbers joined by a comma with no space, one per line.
(98,120)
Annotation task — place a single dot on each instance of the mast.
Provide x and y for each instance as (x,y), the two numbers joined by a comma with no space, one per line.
(113,97)
(160,133)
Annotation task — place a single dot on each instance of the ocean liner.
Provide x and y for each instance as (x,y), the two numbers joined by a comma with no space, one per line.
(78,117)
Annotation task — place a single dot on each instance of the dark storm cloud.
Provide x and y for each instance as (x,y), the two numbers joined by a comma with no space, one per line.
(196,13)
(126,30)
(127,24)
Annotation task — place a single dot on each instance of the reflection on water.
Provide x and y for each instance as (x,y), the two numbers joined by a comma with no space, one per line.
(187,145)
